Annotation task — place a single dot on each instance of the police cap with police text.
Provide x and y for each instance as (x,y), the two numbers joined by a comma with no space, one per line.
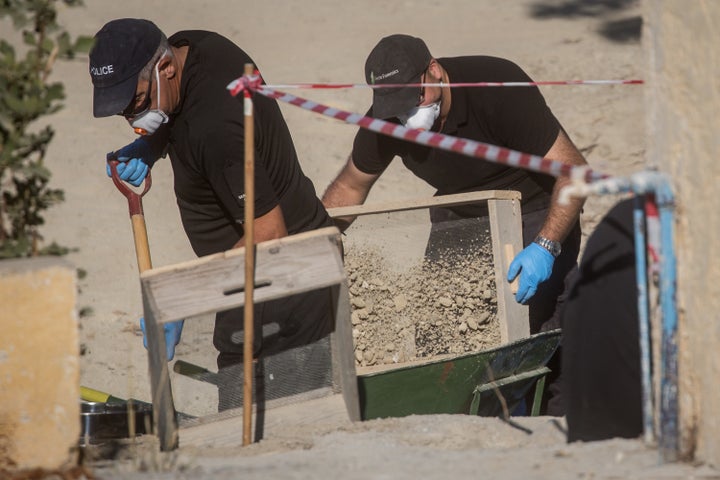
(122,48)
(396,59)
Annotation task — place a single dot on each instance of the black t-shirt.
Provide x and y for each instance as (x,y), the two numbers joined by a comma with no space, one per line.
(511,117)
(206,147)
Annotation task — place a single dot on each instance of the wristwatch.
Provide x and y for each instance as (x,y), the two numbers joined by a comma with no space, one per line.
(550,245)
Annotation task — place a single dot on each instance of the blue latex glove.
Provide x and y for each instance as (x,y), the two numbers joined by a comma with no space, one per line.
(136,159)
(173,330)
(534,264)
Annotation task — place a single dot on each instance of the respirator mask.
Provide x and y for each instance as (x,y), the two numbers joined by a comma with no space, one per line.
(147,122)
(422,117)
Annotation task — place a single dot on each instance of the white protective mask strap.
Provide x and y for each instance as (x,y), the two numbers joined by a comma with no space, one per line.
(148,122)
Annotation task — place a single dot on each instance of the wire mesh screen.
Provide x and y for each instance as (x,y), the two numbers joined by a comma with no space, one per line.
(419,290)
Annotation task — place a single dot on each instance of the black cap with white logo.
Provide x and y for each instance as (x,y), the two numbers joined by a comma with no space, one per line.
(122,48)
(396,59)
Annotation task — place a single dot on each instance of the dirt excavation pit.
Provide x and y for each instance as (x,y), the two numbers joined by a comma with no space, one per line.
(430,308)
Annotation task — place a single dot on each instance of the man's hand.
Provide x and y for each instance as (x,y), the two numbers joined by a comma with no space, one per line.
(135,159)
(172,330)
(534,264)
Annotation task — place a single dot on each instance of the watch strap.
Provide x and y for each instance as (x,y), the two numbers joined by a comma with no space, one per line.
(551,246)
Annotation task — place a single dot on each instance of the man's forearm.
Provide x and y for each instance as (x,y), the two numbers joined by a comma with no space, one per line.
(350,187)
(266,227)
(338,195)
(561,218)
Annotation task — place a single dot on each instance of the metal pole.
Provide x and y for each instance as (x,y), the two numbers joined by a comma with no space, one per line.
(643,317)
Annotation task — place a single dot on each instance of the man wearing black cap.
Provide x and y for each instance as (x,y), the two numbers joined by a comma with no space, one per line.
(514,117)
(173,93)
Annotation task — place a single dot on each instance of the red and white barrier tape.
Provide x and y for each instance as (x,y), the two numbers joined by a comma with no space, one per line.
(256,79)
(459,84)
(654,241)
(462,146)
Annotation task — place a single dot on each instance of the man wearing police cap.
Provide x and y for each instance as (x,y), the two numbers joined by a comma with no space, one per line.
(173,94)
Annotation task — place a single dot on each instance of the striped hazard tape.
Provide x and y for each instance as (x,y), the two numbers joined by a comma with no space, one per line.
(288,86)
(462,146)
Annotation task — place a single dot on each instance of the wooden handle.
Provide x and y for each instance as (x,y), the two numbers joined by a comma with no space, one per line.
(137,217)
(142,248)
(249,232)
(509,256)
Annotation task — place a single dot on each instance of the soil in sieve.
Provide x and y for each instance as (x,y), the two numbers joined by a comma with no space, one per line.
(430,309)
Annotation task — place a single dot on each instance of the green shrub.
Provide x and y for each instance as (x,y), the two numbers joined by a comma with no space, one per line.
(28,95)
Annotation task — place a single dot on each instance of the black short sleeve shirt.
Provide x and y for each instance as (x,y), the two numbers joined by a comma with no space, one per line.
(512,117)
(206,146)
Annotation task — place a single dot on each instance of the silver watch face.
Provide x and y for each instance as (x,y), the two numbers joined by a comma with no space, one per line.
(550,245)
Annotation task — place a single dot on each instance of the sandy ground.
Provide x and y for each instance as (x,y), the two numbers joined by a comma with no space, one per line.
(327,41)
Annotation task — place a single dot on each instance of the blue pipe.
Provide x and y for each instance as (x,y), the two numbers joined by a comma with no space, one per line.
(643,318)
(657,184)
(669,406)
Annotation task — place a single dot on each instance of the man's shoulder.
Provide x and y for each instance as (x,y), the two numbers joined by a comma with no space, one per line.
(476,60)
(212,50)
(187,37)
(483,68)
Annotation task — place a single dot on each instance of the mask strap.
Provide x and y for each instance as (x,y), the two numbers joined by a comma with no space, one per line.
(157,80)
(157,77)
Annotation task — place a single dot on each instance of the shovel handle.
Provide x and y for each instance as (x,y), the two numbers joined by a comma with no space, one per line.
(134,198)
(142,247)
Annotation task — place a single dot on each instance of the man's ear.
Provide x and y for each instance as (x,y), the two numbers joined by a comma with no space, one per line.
(166,67)
(434,69)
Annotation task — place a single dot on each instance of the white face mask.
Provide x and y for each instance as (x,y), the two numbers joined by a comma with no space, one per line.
(422,117)
(150,120)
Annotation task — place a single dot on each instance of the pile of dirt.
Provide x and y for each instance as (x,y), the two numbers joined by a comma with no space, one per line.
(429,309)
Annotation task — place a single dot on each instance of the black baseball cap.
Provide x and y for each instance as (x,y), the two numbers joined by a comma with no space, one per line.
(396,59)
(122,48)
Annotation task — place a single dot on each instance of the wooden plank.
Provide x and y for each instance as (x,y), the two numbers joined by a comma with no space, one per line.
(343,358)
(440,201)
(285,266)
(506,233)
(224,430)
(164,417)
